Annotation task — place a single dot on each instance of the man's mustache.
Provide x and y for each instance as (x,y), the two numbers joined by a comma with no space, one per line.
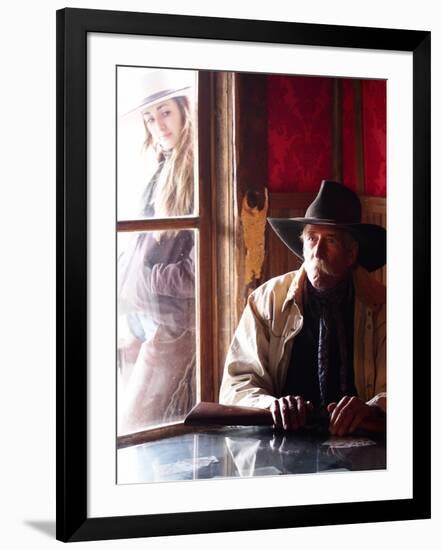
(322,265)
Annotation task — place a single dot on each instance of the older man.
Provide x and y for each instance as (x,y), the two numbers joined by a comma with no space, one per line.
(314,339)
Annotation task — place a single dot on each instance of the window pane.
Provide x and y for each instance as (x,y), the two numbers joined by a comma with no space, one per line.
(155,142)
(156,328)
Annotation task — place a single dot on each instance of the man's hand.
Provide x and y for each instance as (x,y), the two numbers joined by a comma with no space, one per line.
(352,413)
(290,412)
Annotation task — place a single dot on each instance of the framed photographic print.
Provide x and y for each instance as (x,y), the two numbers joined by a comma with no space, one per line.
(178,139)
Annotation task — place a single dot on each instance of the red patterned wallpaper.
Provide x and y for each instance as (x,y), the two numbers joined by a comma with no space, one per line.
(300,133)
(374,118)
(349,173)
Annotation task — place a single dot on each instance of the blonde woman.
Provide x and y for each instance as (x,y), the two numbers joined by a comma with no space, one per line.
(156,273)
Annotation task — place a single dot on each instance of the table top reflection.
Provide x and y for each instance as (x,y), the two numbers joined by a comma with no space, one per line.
(248,452)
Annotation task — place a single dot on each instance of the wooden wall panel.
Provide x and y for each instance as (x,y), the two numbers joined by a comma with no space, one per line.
(251,182)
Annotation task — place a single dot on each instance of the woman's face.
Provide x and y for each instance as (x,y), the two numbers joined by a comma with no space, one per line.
(165,122)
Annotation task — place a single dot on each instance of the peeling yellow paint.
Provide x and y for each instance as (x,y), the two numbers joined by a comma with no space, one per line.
(253,222)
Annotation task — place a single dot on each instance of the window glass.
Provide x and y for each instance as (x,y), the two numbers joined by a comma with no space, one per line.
(155,143)
(156,327)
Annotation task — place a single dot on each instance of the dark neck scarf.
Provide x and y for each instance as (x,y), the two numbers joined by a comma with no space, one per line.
(148,197)
(329,307)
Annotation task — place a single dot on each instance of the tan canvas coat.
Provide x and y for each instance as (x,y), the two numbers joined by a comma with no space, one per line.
(256,365)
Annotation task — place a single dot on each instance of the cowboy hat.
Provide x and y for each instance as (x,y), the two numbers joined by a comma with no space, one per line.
(337,206)
(142,88)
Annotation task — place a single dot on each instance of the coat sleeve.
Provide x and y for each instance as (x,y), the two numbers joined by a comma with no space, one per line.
(246,380)
(176,280)
(170,302)
(379,349)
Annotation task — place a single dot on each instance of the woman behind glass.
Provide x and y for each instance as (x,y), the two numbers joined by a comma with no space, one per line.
(156,271)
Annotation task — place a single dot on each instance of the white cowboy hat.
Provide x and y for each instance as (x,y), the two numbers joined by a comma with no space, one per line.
(140,88)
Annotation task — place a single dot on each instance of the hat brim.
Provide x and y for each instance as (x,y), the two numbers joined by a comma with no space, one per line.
(372,238)
(153,99)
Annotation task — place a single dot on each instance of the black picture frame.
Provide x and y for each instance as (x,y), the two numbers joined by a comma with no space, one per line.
(73,25)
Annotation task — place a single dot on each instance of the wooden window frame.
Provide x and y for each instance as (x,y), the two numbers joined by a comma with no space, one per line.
(203,223)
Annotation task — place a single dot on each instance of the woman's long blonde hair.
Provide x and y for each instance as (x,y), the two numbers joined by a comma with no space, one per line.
(176,184)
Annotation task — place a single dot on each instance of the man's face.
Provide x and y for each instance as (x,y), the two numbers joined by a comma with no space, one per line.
(326,258)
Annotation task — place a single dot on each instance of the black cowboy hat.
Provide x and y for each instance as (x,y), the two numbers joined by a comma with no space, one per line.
(340,207)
